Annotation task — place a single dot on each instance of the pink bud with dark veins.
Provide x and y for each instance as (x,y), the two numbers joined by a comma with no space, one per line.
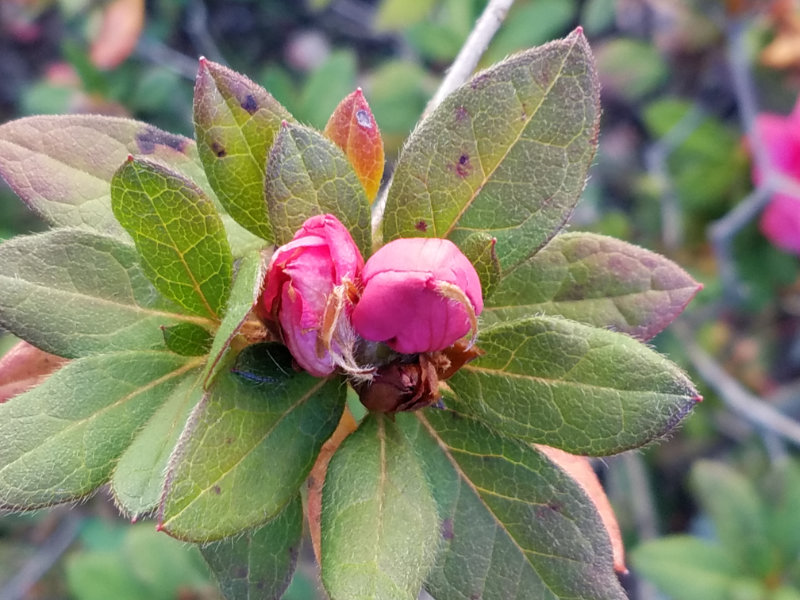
(302,276)
(420,295)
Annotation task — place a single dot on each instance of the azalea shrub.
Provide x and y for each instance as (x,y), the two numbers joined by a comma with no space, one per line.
(242,340)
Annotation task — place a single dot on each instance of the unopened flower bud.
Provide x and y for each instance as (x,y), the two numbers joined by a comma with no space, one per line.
(303,276)
(420,295)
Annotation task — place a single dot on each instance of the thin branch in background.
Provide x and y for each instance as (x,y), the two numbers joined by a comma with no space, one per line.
(43,559)
(464,64)
(735,397)
(655,158)
(197,28)
(162,55)
(725,229)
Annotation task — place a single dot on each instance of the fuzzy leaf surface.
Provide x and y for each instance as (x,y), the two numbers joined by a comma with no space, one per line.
(353,128)
(507,153)
(245,291)
(259,563)
(73,293)
(379,523)
(479,248)
(182,243)
(541,535)
(60,440)
(235,122)
(308,175)
(596,280)
(249,445)
(584,390)
(138,476)
(187,339)
(61,166)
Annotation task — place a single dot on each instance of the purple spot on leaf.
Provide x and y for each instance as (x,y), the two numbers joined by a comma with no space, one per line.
(249,103)
(447,529)
(463,168)
(151,137)
(218,149)
(461,113)
(362,118)
(217,490)
(421,226)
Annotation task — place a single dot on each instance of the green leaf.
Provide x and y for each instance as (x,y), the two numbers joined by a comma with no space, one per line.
(479,249)
(394,15)
(241,241)
(259,563)
(328,83)
(236,121)
(540,535)
(187,339)
(584,390)
(308,175)
(738,514)
(60,440)
(687,568)
(783,518)
(138,476)
(73,293)
(506,154)
(596,280)
(178,233)
(248,446)
(245,292)
(631,68)
(379,524)
(61,166)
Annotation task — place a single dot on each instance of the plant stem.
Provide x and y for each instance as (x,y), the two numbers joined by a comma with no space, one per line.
(464,64)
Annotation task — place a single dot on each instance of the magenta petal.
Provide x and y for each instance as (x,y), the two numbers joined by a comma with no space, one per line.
(780,223)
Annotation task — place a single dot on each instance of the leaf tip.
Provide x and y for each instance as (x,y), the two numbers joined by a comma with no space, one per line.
(698,398)
(159,527)
(129,158)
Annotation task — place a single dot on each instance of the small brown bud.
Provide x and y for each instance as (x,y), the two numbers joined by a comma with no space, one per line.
(400,387)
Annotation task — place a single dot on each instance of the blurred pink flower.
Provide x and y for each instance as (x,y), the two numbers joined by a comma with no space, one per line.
(301,277)
(780,135)
(420,295)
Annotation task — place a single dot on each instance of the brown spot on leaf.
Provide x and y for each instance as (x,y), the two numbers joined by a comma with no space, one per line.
(249,104)
(421,226)
(151,137)
(447,529)
(218,149)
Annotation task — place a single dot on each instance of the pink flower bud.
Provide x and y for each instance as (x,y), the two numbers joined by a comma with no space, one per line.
(420,295)
(780,136)
(301,277)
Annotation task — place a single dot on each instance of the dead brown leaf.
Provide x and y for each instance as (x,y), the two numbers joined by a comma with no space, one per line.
(23,367)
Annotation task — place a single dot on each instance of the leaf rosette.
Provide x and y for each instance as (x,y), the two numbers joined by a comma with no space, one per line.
(182,394)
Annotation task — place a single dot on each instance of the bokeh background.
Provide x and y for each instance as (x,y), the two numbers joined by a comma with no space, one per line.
(711,513)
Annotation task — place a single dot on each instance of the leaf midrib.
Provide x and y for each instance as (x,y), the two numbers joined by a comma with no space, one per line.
(189,365)
(576,301)
(304,398)
(510,147)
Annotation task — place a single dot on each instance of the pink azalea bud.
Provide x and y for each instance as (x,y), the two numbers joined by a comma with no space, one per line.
(420,295)
(301,278)
(780,136)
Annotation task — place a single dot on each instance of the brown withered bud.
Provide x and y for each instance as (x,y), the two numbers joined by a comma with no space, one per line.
(451,359)
(400,387)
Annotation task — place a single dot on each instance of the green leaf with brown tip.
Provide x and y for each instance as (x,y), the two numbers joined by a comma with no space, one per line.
(514,526)
(259,563)
(249,445)
(309,175)
(61,440)
(236,121)
(584,390)
(179,235)
(596,280)
(61,166)
(379,524)
(75,293)
(507,153)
